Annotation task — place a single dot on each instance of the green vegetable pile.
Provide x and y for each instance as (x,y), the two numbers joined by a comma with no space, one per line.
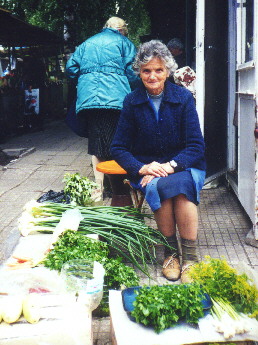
(162,307)
(118,274)
(74,245)
(79,189)
(221,281)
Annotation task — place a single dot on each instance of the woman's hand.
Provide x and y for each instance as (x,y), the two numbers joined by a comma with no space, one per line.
(156,169)
(168,168)
(146,179)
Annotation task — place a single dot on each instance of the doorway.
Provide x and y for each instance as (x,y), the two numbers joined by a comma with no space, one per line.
(177,18)
(216,86)
(174,19)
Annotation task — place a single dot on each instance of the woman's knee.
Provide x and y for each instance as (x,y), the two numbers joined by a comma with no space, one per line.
(180,198)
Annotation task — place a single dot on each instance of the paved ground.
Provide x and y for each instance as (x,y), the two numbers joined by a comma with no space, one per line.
(56,150)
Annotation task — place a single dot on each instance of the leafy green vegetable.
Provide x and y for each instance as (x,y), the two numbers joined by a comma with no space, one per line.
(73,245)
(118,274)
(162,307)
(79,189)
(220,280)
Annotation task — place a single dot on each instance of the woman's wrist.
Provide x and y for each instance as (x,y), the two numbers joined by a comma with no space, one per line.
(169,169)
(142,171)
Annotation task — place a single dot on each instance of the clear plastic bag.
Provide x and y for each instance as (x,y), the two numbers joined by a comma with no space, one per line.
(36,280)
(85,279)
(70,220)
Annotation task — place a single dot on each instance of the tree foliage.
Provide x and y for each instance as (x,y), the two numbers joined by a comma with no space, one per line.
(83,18)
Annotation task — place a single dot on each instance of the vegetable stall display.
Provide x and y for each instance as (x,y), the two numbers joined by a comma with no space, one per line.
(122,228)
(123,231)
(234,295)
(74,245)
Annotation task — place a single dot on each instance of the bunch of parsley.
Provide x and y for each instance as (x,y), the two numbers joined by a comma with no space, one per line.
(73,245)
(162,307)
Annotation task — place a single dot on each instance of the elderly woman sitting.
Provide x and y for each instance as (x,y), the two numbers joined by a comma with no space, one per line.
(159,143)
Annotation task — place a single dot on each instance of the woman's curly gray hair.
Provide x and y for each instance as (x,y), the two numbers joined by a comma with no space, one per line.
(154,49)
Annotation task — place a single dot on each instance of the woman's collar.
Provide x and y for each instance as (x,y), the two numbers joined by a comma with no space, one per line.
(170,94)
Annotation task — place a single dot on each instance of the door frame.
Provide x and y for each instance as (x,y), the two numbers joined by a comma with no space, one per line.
(247,73)
(200,75)
(200,62)
(232,159)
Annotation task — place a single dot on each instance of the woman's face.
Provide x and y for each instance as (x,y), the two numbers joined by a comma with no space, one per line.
(153,75)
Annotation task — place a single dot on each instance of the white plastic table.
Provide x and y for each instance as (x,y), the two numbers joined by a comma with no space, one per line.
(63,320)
(126,332)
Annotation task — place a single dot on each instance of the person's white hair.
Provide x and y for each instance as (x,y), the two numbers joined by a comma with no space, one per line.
(118,24)
(154,49)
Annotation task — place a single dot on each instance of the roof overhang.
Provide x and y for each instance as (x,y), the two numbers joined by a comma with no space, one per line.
(16,33)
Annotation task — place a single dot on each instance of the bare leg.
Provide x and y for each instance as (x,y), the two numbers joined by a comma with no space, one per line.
(99,176)
(186,217)
(165,218)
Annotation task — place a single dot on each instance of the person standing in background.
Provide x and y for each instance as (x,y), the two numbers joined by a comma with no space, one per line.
(177,50)
(101,66)
(184,75)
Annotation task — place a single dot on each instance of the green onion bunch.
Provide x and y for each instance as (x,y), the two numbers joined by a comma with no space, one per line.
(122,228)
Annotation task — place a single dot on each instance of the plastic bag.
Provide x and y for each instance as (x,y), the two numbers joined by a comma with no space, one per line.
(70,220)
(78,279)
(55,197)
(36,280)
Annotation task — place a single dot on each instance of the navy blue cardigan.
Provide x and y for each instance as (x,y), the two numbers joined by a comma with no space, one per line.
(140,139)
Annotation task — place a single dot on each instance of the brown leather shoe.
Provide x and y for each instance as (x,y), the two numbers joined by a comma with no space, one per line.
(171,268)
(185,277)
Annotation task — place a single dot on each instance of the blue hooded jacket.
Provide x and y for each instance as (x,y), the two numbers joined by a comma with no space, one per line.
(102,68)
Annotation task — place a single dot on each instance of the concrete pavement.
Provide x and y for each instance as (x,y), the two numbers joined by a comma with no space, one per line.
(49,154)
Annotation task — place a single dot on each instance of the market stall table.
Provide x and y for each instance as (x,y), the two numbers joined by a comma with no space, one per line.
(126,332)
(63,319)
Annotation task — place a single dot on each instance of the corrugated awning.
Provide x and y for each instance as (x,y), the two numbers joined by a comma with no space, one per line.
(15,32)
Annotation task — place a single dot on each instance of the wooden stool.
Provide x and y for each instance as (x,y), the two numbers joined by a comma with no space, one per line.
(121,187)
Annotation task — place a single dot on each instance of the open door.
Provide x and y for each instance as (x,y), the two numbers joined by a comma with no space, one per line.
(246,110)
(212,81)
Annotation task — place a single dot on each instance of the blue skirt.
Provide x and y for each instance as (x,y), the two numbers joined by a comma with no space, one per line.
(175,184)
(188,182)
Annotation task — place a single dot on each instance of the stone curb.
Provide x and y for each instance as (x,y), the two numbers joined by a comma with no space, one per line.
(22,152)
